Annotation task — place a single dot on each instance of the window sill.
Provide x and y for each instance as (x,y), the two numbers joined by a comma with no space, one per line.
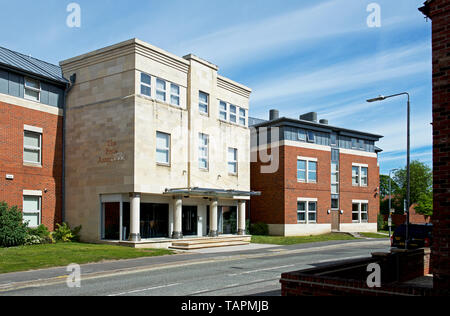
(33,165)
(159,164)
(162,102)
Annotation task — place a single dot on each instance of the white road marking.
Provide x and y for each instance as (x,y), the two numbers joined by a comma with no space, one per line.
(143,290)
(259,270)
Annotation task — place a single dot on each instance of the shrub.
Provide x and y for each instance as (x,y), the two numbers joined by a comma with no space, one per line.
(65,234)
(32,240)
(13,230)
(43,233)
(259,229)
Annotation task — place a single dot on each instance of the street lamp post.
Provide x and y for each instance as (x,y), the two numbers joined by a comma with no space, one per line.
(390,205)
(408,155)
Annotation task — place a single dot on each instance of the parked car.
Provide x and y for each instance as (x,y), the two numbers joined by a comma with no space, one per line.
(420,236)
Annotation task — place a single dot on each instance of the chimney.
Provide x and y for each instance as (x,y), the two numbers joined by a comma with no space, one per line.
(274,115)
(324,122)
(311,116)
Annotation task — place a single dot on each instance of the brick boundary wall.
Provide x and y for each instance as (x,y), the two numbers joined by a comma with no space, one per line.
(349,278)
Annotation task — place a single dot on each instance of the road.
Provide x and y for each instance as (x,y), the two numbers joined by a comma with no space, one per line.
(235,273)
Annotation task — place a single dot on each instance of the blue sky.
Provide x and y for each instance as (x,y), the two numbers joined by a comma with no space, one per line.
(297,55)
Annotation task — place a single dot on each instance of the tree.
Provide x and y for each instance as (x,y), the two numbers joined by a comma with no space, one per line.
(425,204)
(12,229)
(384,193)
(420,184)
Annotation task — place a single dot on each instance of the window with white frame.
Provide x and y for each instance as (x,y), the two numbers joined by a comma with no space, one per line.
(223,108)
(203,155)
(360,213)
(174,94)
(334,178)
(146,84)
(311,137)
(306,211)
(242,117)
(160,90)
(162,148)
(32,210)
(360,174)
(233,112)
(203,103)
(307,170)
(32,147)
(32,89)
(232,161)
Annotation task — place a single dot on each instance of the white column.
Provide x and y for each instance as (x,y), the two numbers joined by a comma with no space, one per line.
(177,217)
(241,217)
(213,218)
(135,217)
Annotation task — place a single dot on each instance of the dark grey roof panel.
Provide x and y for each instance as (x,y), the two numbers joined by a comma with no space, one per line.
(31,65)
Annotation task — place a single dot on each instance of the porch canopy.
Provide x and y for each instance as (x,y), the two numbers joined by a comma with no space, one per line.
(213,193)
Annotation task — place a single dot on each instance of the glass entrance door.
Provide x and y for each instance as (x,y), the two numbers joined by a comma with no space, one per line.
(189,221)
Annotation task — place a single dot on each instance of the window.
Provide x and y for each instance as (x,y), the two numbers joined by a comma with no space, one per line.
(361,144)
(364,176)
(333,139)
(360,212)
(146,88)
(360,175)
(32,89)
(232,113)
(161,90)
(306,211)
(174,94)
(354,143)
(242,117)
(203,151)
(223,110)
(334,178)
(32,210)
(232,160)
(301,135)
(334,203)
(203,103)
(312,171)
(311,137)
(355,176)
(32,147)
(301,170)
(307,170)
(162,148)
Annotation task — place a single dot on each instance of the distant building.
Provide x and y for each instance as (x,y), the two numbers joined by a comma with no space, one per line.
(325,178)
(31,137)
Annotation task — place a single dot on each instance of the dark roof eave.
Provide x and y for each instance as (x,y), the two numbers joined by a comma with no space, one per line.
(323,126)
(210,192)
(62,81)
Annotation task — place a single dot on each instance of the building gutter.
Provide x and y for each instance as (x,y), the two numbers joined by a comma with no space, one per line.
(69,87)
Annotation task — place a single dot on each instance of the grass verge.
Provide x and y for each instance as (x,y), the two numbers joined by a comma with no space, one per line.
(276,240)
(374,235)
(25,258)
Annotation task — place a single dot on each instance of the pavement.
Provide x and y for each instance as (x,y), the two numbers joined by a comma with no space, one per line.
(240,270)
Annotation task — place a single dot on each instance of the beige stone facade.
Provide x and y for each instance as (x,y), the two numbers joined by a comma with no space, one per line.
(111,141)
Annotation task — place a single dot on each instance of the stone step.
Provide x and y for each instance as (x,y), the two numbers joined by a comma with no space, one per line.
(191,246)
(208,241)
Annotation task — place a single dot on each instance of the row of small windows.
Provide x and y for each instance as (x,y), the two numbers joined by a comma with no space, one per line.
(163,148)
(327,139)
(31,89)
(170,93)
(307,212)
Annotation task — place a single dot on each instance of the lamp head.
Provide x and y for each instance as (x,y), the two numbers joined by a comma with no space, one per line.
(380,98)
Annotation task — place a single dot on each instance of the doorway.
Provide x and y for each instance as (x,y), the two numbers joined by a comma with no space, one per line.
(335,220)
(189,221)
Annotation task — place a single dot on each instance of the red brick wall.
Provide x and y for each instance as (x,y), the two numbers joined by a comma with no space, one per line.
(269,207)
(49,177)
(280,190)
(320,190)
(439,11)
(348,192)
